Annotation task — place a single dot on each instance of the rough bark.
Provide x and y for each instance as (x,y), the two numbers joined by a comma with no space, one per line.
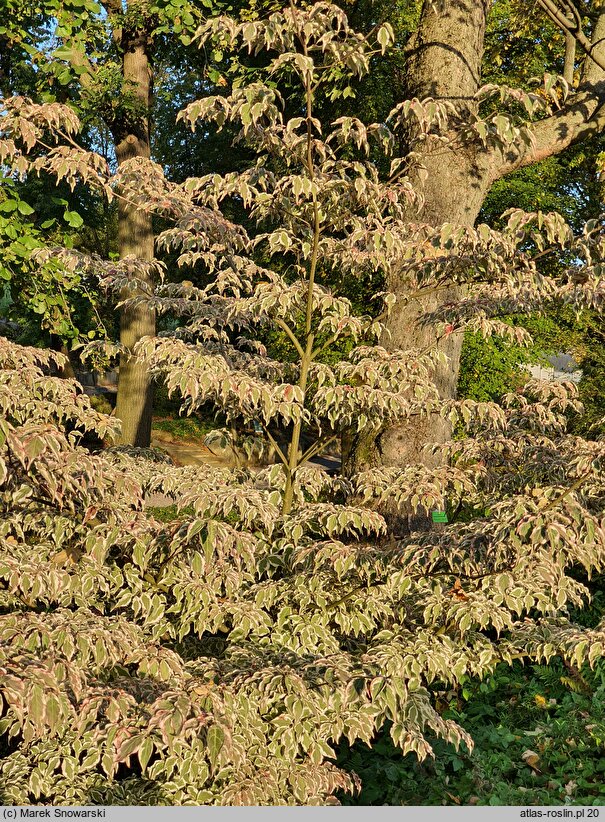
(444,62)
(135,237)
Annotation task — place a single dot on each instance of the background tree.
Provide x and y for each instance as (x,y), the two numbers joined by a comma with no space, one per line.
(99,58)
(460,162)
(130,127)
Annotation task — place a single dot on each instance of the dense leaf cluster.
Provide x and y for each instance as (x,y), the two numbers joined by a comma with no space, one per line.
(220,657)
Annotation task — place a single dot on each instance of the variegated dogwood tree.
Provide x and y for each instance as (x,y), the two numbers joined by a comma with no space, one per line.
(220,657)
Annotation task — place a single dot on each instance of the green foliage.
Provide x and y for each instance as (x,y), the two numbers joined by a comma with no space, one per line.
(490,368)
(493,366)
(512,715)
(185,428)
(45,296)
(169,513)
(521,44)
(100,404)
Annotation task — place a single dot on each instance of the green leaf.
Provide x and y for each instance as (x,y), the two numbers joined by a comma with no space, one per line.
(73,219)
(34,447)
(37,706)
(65,77)
(130,746)
(53,712)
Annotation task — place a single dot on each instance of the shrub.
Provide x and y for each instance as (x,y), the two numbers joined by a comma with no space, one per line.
(221,655)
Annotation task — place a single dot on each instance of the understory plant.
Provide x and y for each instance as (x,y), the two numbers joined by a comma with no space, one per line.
(219,657)
(538,733)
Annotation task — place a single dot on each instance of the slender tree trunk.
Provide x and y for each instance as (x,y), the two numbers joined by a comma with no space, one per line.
(135,237)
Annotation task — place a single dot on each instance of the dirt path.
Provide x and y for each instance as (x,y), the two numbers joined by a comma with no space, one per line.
(195,453)
(182,453)
(189,453)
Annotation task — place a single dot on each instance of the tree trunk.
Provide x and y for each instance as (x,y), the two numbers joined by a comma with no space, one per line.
(67,372)
(135,237)
(444,62)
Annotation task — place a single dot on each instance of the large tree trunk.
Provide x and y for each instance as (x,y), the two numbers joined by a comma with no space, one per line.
(135,237)
(444,62)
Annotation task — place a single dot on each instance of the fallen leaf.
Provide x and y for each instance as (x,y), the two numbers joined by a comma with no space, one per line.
(531,759)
